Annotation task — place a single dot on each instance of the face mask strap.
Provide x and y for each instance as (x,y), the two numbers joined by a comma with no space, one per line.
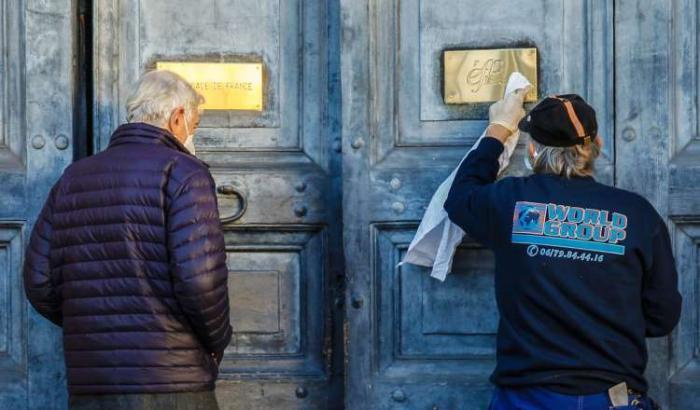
(187,128)
(188,143)
(530,161)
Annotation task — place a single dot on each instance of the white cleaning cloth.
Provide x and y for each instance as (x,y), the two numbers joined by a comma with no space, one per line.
(437,237)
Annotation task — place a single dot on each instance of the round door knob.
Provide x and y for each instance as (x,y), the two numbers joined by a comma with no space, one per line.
(628,134)
(398,395)
(300,211)
(398,207)
(358,143)
(301,392)
(300,187)
(61,142)
(357,302)
(38,142)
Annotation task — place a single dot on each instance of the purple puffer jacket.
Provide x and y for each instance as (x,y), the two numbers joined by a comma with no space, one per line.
(128,257)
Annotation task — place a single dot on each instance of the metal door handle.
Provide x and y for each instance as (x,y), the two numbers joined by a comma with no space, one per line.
(357,301)
(230,190)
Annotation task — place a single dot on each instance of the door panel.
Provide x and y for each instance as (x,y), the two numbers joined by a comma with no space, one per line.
(429,322)
(275,172)
(414,342)
(277,279)
(659,156)
(405,67)
(36,87)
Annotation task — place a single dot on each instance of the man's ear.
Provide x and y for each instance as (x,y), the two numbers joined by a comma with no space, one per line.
(175,120)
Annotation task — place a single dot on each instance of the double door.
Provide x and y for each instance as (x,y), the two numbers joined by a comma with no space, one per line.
(322,190)
(276,170)
(416,343)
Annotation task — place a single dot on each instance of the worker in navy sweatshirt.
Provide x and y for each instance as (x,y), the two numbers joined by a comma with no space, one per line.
(584,271)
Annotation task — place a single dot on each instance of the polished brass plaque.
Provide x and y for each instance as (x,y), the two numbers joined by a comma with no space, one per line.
(474,76)
(226,86)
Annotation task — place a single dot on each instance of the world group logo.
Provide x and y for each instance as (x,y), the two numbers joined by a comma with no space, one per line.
(563,226)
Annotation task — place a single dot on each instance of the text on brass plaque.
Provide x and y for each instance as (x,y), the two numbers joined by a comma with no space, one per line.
(473,76)
(226,86)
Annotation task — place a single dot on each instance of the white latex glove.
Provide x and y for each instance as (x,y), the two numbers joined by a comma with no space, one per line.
(509,111)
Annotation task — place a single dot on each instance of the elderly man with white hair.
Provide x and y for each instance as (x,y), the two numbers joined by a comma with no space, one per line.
(128,257)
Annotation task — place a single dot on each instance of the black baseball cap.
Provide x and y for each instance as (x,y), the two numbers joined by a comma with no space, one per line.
(561,121)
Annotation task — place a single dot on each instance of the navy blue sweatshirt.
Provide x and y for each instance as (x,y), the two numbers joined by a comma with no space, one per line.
(584,272)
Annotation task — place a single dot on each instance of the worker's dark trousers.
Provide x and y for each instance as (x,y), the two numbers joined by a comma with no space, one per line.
(169,401)
(538,398)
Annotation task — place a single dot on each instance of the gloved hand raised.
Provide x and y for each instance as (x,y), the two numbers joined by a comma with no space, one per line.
(507,113)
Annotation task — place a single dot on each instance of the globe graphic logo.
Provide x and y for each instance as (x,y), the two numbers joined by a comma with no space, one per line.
(529,218)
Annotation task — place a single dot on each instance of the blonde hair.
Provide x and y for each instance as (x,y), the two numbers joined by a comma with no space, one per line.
(568,162)
(157,94)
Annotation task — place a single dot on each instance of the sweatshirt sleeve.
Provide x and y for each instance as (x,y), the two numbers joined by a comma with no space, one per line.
(38,285)
(198,260)
(469,203)
(661,301)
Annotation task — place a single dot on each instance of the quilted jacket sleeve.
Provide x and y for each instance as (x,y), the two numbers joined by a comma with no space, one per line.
(198,260)
(40,290)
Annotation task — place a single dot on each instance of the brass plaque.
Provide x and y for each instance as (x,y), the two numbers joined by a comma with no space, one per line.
(473,76)
(226,86)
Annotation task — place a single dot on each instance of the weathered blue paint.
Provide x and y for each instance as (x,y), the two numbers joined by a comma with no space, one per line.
(35,121)
(411,342)
(284,253)
(415,344)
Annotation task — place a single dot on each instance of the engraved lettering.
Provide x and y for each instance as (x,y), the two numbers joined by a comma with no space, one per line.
(489,73)
(218,85)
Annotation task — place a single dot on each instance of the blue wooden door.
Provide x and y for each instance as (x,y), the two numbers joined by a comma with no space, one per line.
(657,130)
(275,171)
(415,343)
(36,133)
(411,342)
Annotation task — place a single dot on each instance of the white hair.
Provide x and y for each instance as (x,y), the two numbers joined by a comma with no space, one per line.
(157,94)
(576,161)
